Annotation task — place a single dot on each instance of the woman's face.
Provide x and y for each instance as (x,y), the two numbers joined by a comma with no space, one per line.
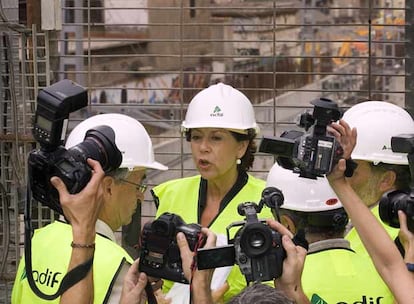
(215,152)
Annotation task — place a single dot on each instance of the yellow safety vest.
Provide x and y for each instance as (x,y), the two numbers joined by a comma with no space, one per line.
(340,276)
(356,243)
(181,196)
(51,253)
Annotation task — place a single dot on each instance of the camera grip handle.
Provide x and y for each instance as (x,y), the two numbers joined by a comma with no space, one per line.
(351,165)
(300,240)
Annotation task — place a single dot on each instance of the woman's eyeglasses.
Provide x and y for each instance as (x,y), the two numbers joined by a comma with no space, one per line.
(140,187)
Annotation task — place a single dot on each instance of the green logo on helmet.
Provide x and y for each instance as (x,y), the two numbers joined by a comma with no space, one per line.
(216,112)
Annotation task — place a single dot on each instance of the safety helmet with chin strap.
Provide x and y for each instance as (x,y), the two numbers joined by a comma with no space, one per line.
(220,106)
(376,123)
(131,138)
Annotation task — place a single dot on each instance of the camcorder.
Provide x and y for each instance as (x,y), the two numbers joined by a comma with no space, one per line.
(160,255)
(313,154)
(54,104)
(395,200)
(256,248)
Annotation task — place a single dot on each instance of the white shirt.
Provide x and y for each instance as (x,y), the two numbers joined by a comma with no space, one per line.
(103,229)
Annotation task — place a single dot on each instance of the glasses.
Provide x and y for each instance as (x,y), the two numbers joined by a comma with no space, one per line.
(140,187)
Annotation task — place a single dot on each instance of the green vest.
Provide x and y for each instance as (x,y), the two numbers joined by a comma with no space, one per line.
(356,243)
(51,253)
(340,276)
(180,196)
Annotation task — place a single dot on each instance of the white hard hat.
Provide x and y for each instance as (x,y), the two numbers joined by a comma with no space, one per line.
(376,122)
(131,138)
(220,106)
(302,194)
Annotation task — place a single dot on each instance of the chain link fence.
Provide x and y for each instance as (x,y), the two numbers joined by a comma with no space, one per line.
(148,58)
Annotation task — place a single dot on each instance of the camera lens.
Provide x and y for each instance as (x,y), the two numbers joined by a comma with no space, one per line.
(255,239)
(389,205)
(99,144)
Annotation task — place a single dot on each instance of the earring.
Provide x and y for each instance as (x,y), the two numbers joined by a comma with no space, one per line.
(238,161)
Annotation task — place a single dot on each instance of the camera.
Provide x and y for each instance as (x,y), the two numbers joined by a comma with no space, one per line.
(256,248)
(160,255)
(54,104)
(395,200)
(313,154)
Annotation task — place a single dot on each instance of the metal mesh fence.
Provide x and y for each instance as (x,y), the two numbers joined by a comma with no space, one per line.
(148,58)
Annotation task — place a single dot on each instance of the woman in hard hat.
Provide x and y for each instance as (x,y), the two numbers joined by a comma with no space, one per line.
(220,126)
(333,272)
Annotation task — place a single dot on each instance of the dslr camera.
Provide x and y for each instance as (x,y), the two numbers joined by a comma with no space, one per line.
(54,104)
(256,248)
(313,154)
(160,255)
(395,200)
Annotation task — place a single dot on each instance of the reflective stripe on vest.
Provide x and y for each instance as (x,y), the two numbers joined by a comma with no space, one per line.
(180,196)
(51,253)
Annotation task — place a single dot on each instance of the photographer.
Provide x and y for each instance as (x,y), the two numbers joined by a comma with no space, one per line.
(311,205)
(379,245)
(122,189)
(379,169)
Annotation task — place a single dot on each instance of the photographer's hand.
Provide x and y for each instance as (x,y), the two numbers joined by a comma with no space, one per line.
(200,279)
(344,135)
(81,210)
(406,238)
(380,246)
(290,281)
(133,289)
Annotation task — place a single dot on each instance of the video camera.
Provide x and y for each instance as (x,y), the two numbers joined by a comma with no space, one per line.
(54,103)
(395,200)
(160,255)
(256,248)
(311,155)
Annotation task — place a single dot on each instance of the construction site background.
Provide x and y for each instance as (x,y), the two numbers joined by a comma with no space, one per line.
(148,58)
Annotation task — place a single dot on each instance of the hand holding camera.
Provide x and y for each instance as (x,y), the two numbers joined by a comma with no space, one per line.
(290,280)
(82,209)
(54,104)
(313,154)
(256,248)
(393,201)
(160,255)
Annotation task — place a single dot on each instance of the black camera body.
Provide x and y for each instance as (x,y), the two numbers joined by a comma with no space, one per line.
(160,255)
(313,154)
(256,248)
(395,200)
(54,104)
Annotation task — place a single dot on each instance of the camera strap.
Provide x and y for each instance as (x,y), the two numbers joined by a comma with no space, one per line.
(151,299)
(200,242)
(70,278)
